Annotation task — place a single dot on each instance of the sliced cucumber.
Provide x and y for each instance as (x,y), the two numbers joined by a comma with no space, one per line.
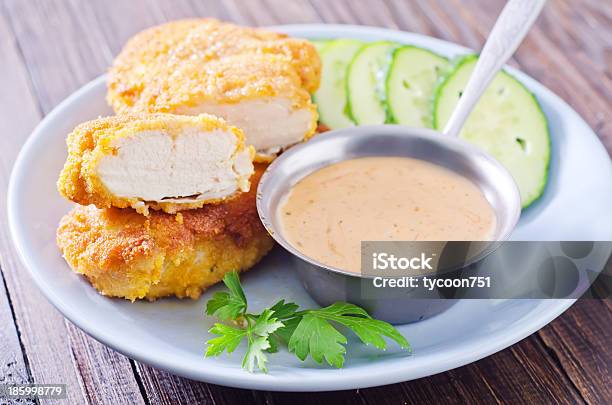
(410,85)
(507,122)
(365,83)
(320,44)
(331,96)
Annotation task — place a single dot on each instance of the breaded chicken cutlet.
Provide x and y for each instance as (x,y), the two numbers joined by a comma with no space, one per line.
(162,161)
(258,80)
(125,254)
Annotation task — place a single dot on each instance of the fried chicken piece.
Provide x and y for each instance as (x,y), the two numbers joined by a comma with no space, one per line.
(124,254)
(258,80)
(162,161)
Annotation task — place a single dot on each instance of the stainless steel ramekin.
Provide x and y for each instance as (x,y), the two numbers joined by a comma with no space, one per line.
(327,284)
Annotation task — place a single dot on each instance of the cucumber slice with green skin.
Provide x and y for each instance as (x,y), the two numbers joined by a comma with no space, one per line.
(365,83)
(410,85)
(331,96)
(507,122)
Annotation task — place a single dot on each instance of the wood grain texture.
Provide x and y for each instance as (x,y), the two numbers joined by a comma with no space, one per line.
(13,366)
(107,376)
(270,12)
(580,342)
(49,48)
(42,331)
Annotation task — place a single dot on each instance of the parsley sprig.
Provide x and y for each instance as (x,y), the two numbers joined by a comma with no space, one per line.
(310,332)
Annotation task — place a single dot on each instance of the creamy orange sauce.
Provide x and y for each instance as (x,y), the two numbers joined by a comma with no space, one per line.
(328,213)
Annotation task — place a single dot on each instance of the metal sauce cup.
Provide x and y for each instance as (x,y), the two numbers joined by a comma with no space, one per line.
(327,284)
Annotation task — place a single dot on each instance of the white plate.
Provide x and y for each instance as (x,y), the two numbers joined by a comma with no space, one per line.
(170,334)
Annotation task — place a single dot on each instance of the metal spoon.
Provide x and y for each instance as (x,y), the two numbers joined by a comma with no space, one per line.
(511,26)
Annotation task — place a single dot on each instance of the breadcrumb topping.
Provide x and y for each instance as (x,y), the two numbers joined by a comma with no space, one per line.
(188,62)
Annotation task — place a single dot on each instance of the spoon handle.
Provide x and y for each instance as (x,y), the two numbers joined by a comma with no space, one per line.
(510,28)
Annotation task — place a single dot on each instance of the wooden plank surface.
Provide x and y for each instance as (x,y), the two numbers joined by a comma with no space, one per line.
(42,332)
(13,366)
(49,48)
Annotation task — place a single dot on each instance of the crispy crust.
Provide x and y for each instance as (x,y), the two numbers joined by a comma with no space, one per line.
(92,140)
(186,63)
(163,67)
(124,254)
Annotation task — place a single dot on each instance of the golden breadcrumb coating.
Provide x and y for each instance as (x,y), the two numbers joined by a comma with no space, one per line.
(80,182)
(158,62)
(124,254)
(187,63)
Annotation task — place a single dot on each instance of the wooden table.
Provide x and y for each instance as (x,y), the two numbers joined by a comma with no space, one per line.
(49,48)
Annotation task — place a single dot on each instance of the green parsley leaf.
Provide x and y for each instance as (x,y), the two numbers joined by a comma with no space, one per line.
(288,328)
(368,329)
(229,338)
(317,337)
(219,300)
(274,343)
(308,332)
(265,324)
(258,340)
(284,310)
(257,333)
(232,281)
(342,308)
(228,306)
(255,354)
